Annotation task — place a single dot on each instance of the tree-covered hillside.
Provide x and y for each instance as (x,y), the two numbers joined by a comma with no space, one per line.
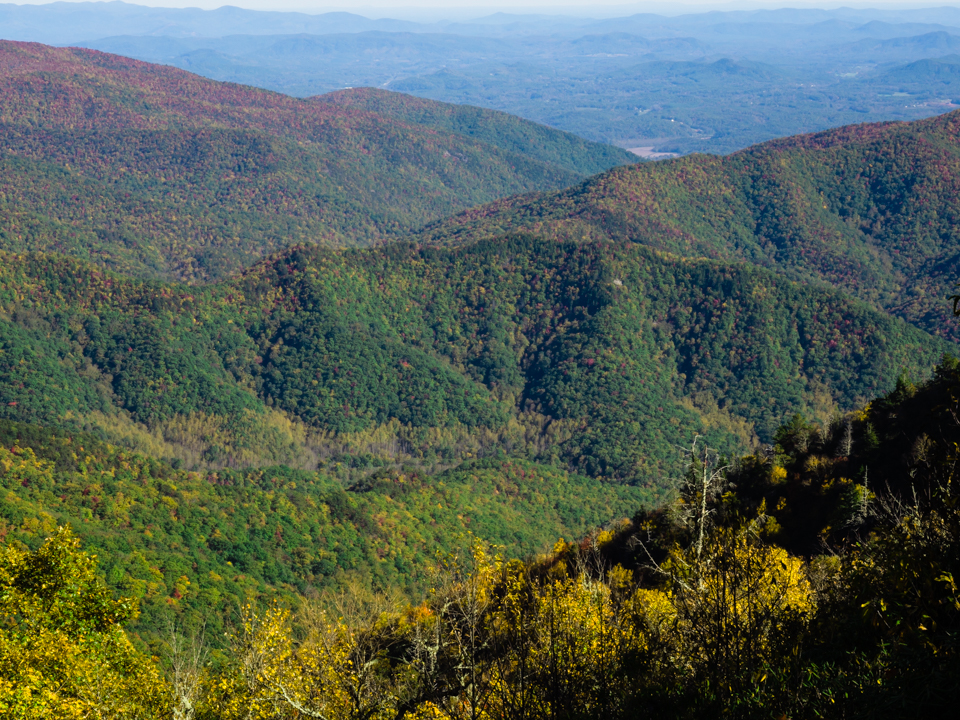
(195,546)
(869,209)
(816,578)
(507,132)
(593,328)
(599,356)
(153,171)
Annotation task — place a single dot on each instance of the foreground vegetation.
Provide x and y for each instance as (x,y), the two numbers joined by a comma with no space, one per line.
(813,579)
(192,547)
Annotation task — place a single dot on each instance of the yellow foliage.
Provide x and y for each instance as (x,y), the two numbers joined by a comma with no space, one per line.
(63,655)
(654,608)
(330,671)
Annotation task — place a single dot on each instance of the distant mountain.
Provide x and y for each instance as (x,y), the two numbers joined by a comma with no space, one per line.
(899,49)
(700,71)
(62,23)
(811,69)
(305,64)
(613,44)
(893,32)
(944,72)
(871,210)
(156,172)
(939,40)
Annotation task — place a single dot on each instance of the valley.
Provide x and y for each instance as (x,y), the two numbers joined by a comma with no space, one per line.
(371,406)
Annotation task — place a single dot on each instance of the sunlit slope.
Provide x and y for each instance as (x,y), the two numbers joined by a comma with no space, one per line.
(870,209)
(198,545)
(507,132)
(599,356)
(153,171)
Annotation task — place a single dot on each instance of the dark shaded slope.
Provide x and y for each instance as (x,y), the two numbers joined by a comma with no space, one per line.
(156,172)
(871,209)
(867,508)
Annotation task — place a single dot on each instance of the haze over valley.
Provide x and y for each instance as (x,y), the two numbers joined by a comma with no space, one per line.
(709,82)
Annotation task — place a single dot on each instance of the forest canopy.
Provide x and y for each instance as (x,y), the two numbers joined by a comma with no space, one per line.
(678,441)
(795,582)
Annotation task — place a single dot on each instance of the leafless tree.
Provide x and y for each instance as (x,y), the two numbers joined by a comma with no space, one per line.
(846,440)
(463,604)
(187,656)
(701,485)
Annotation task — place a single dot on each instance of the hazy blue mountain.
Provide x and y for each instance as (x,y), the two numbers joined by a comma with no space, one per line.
(943,72)
(709,81)
(67,23)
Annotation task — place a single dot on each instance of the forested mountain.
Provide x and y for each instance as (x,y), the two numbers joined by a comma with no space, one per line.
(158,173)
(814,579)
(507,132)
(592,329)
(869,209)
(596,355)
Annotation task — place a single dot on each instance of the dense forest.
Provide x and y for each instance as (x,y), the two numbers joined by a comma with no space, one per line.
(595,356)
(815,578)
(323,484)
(156,172)
(869,209)
(192,545)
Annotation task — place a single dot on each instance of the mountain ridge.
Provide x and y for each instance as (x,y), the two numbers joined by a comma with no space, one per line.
(161,173)
(869,209)
(519,342)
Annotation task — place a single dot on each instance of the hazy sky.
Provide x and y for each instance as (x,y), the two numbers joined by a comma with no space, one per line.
(597,8)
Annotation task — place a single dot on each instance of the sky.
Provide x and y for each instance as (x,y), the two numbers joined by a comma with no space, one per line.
(462,8)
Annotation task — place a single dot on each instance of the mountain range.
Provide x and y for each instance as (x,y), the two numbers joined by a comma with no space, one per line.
(256,346)
(868,209)
(591,314)
(160,173)
(704,81)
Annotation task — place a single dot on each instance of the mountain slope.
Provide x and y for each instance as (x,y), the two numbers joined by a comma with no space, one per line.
(869,209)
(599,356)
(156,172)
(942,72)
(507,132)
